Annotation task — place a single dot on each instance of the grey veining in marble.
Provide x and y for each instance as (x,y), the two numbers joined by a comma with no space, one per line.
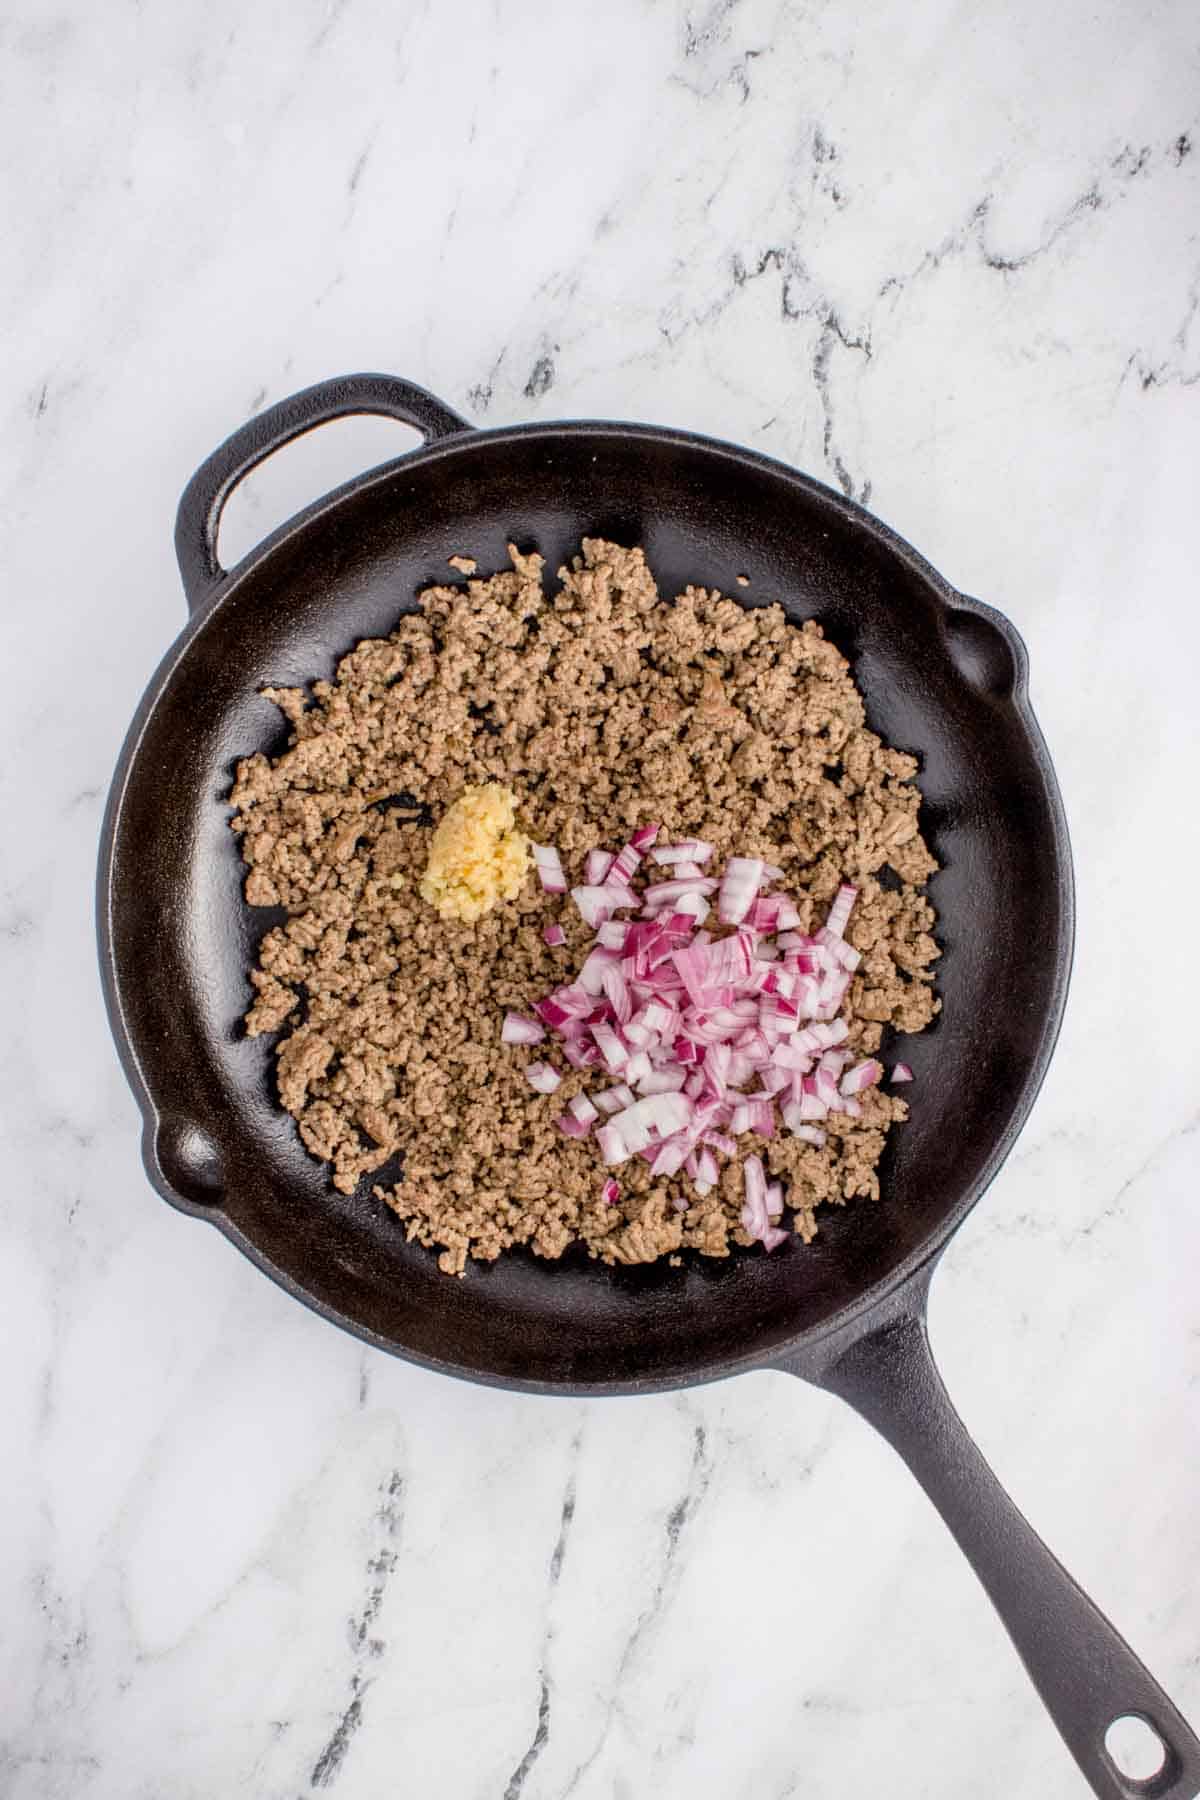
(946,258)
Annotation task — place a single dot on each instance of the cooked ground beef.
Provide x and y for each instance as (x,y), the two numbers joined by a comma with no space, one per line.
(602,707)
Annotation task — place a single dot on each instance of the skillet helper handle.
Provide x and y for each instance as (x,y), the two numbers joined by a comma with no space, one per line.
(1084,1671)
(199,515)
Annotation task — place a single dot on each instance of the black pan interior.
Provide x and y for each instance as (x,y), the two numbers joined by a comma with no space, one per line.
(940,678)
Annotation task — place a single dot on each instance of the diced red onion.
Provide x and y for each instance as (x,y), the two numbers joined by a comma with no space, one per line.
(839,912)
(693,850)
(625,866)
(663,1081)
(611,1145)
(616,992)
(796,1119)
(688,1021)
(827,1090)
(691,887)
(863,1075)
(901,1072)
(542,1077)
(670,1157)
(763,1118)
(755,1216)
(742,879)
(518,1030)
(596,904)
(610,1047)
(665,1113)
(610,1193)
(549,868)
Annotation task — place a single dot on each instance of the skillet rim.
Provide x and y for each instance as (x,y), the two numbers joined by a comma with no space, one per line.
(225,588)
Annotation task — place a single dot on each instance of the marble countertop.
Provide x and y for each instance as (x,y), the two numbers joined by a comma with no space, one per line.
(946,259)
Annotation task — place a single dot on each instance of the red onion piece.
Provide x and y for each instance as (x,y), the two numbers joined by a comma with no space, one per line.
(611,1145)
(624,866)
(554,936)
(755,1216)
(610,1193)
(739,885)
(839,912)
(663,1081)
(596,866)
(693,850)
(518,1030)
(549,867)
(670,1158)
(901,1072)
(863,1075)
(610,1047)
(596,904)
(542,1077)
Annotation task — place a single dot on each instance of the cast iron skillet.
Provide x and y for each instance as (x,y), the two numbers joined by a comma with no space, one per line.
(942,675)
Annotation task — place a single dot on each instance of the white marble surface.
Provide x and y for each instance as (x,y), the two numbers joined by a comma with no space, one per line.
(945,256)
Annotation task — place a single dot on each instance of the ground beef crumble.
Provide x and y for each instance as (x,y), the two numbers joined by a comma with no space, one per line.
(602,707)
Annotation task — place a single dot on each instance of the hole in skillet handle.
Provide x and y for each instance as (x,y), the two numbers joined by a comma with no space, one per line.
(316,464)
(199,517)
(1139,1755)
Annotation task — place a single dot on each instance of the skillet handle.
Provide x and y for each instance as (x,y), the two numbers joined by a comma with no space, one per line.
(204,497)
(1084,1671)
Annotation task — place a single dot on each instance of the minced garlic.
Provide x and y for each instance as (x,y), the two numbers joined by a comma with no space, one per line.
(477,856)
